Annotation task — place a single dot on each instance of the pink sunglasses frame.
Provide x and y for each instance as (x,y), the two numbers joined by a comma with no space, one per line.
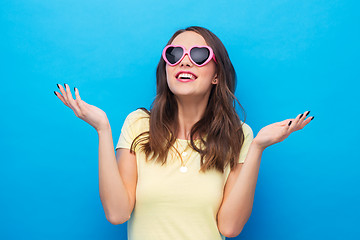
(211,56)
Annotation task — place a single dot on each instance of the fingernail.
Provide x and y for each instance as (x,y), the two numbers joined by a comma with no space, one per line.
(290,123)
(301,115)
(308,113)
(312,118)
(58,86)
(65,85)
(55,93)
(74,89)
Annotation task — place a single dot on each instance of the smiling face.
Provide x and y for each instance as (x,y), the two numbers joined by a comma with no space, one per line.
(202,78)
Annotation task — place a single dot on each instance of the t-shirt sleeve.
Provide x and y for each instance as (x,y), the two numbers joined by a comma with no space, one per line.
(130,129)
(249,136)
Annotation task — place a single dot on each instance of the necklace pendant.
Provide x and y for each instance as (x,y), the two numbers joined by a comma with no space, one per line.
(183,169)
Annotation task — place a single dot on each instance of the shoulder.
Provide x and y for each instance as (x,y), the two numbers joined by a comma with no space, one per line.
(246,129)
(137,120)
(138,114)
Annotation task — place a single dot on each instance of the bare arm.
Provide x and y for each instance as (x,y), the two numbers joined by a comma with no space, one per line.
(117,182)
(238,198)
(240,188)
(113,193)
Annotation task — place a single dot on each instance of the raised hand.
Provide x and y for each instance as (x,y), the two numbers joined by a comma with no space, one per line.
(89,113)
(279,131)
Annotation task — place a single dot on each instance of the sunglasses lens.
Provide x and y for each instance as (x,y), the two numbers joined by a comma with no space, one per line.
(199,55)
(173,54)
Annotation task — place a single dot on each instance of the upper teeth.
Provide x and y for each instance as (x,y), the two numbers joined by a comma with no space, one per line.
(186,75)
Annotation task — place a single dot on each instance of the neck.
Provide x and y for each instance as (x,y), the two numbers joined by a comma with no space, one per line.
(191,109)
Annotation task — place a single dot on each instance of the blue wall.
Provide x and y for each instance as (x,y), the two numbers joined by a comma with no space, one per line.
(290,56)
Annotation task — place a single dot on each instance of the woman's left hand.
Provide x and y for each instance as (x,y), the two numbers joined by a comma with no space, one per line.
(279,131)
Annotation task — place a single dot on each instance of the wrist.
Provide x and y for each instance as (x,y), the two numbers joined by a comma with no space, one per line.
(257,146)
(104,128)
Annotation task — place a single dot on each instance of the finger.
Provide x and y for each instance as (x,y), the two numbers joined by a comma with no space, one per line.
(80,102)
(77,94)
(305,122)
(74,106)
(78,99)
(289,122)
(295,123)
(62,90)
(302,119)
(297,119)
(66,96)
(285,122)
(61,97)
(287,127)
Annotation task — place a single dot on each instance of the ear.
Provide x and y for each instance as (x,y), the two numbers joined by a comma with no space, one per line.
(215,80)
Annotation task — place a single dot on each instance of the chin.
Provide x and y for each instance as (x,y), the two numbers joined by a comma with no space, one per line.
(184,94)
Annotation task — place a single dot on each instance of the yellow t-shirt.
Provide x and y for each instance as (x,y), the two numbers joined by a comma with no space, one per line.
(171,204)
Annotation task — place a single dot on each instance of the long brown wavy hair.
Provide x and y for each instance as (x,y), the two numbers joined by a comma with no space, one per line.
(219,130)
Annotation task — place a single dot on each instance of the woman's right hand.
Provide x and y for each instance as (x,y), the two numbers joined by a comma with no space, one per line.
(89,113)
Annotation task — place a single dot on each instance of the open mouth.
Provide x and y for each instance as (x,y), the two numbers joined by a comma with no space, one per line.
(185,76)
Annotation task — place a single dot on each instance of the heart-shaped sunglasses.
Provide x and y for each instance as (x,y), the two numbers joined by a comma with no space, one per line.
(199,55)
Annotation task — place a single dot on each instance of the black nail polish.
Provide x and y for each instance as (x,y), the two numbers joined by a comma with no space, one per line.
(312,118)
(58,86)
(308,113)
(74,89)
(290,123)
(301,115)
(65,85)
(55,93)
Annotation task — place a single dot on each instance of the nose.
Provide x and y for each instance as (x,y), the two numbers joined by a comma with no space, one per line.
(186,61)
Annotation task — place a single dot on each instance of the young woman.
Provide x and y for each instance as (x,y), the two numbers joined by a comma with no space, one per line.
(186,169)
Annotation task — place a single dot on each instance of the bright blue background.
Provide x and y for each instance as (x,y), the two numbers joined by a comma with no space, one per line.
(290,57)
